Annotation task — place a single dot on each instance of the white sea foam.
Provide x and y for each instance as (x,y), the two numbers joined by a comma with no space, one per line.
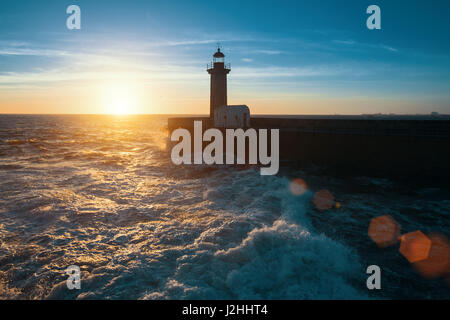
(100,193)
(142,228)
(261,247)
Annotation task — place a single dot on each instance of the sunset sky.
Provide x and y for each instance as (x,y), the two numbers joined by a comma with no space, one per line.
(287,57)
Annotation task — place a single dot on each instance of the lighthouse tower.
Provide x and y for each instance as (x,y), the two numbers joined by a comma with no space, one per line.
(218,71)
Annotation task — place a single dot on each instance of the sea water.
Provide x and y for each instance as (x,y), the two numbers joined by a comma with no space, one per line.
(102,193)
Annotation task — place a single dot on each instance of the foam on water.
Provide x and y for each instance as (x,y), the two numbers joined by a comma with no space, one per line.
(259,248)
(99,192)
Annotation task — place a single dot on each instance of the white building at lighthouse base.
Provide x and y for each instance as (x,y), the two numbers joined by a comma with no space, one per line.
(232,117)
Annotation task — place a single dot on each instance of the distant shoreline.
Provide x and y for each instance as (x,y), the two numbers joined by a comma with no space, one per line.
(280,116)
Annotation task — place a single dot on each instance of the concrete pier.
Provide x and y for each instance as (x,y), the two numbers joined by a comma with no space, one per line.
(364,145)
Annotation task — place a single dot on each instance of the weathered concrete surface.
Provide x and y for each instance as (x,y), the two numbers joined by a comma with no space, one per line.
(370,147)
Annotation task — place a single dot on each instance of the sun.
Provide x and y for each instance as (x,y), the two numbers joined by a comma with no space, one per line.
(120,106)
(120,99)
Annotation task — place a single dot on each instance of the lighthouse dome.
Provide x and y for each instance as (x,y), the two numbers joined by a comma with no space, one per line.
(218,54)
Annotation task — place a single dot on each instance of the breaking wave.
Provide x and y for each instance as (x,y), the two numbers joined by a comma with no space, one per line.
(100,192)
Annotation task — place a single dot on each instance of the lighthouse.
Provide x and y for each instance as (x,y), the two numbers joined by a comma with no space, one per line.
(223,115)
(218,71)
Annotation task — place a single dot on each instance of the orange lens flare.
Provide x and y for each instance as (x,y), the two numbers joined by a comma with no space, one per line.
(298,187)
(415,246)
(438,262)
(384,231)
(323,200)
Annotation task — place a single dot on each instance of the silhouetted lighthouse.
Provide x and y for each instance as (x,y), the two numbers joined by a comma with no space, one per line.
(218,71)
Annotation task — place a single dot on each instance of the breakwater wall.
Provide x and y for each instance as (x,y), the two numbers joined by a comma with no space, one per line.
(373,147)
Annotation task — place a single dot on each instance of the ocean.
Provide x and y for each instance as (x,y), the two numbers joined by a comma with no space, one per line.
(101,192)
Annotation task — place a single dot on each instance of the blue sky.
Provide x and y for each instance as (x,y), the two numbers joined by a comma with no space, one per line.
(289,57)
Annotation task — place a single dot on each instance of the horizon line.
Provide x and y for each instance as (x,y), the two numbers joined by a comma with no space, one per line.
(207,115)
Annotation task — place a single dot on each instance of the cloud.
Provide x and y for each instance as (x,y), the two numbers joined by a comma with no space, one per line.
(348,42)
(13,43)
(32,52)
(100,70)
(365,45)
(269,52)
(388,48)
(122,70)
(215,40)
(190,42)
(287,72)
(132,62)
